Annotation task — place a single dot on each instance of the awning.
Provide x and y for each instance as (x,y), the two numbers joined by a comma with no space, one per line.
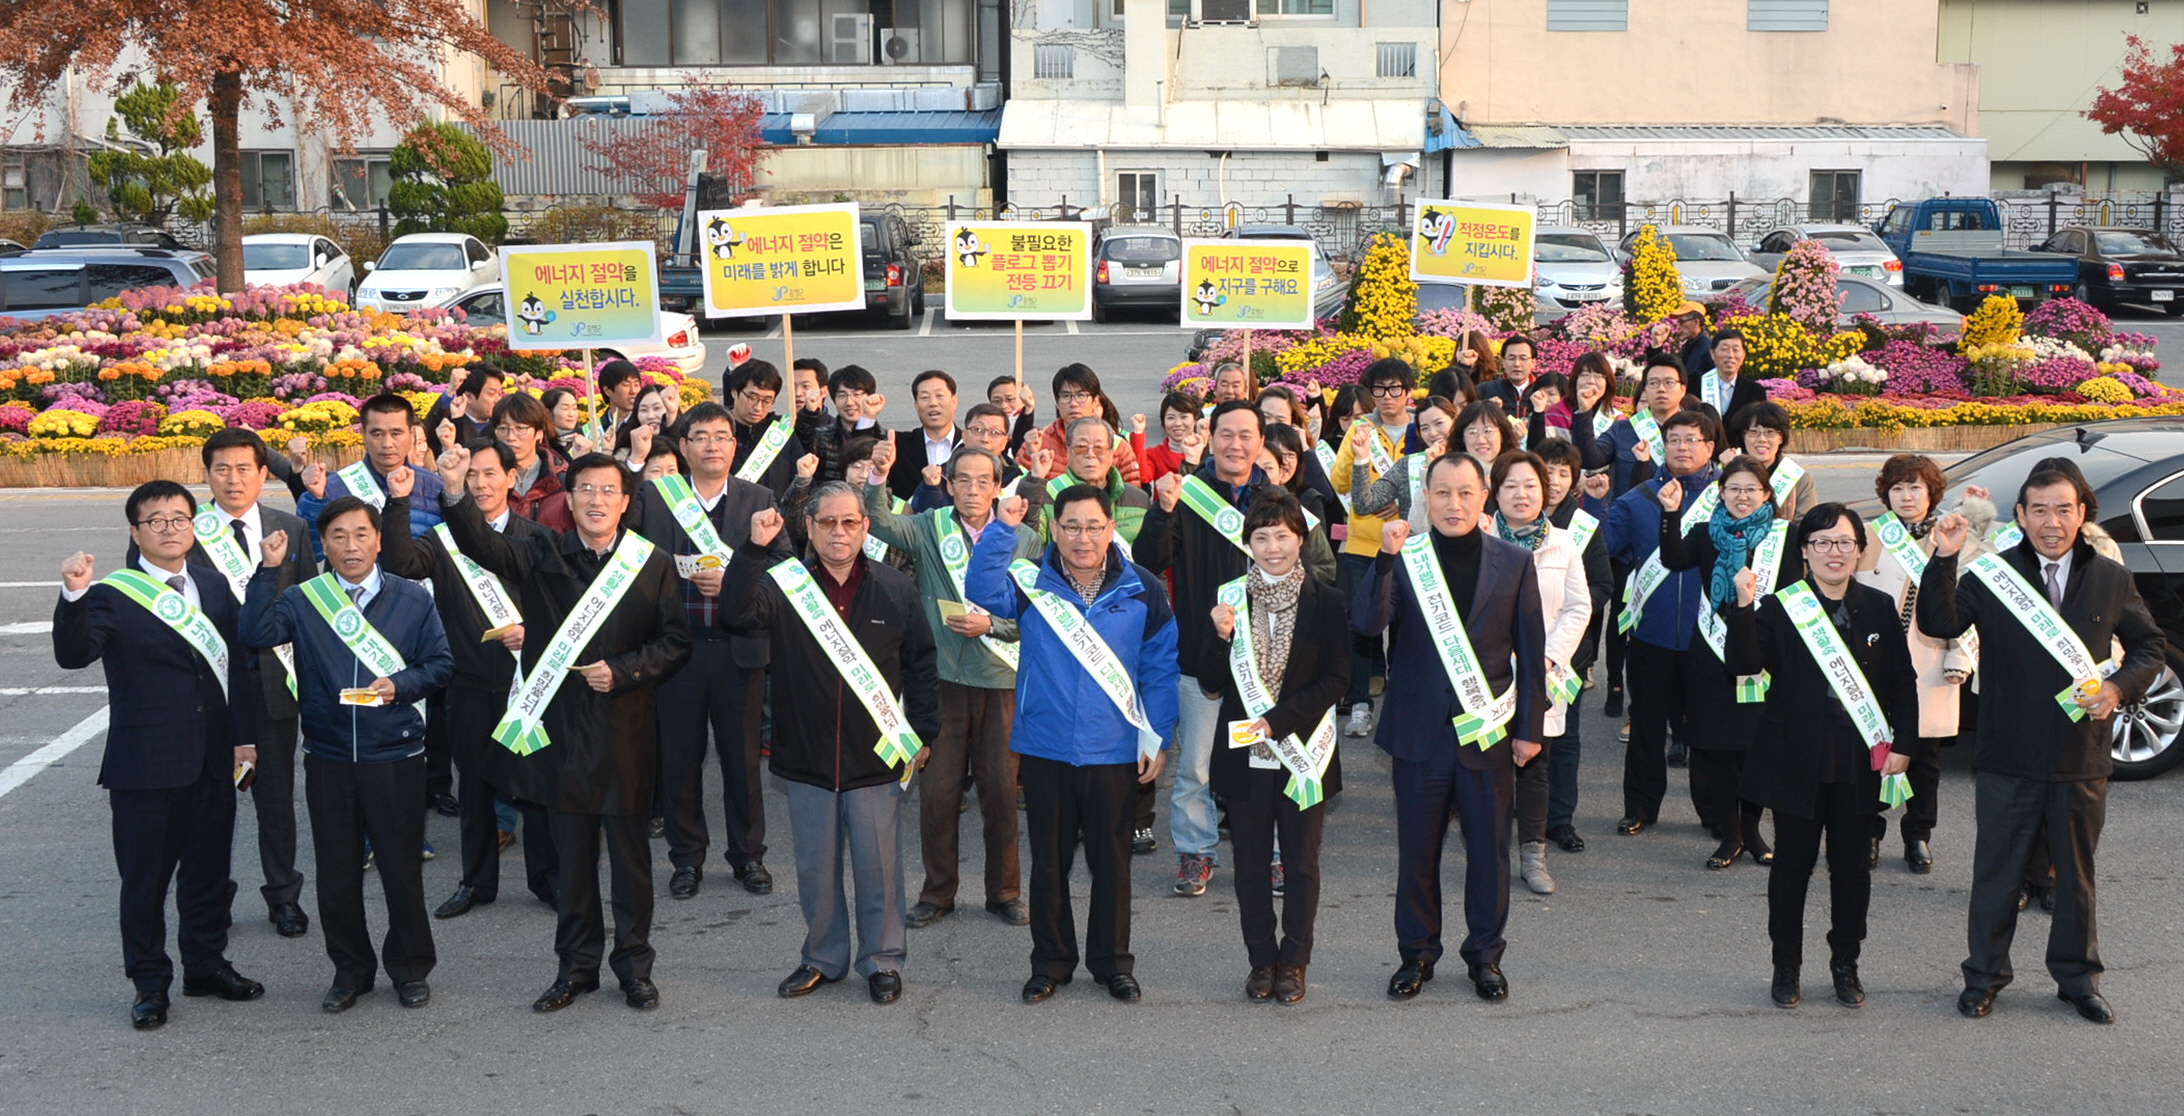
(889,128)
(1533,137)
(1375,125)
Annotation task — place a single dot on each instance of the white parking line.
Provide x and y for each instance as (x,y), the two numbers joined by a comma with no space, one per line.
(27,627)
(22,770)
(925,328)
(42,691)
(30,584)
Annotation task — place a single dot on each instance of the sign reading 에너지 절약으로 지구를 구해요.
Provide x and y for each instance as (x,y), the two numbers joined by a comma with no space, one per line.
(1019,270)
(770,259)
(1247,284)
(581,296)
(1472,242)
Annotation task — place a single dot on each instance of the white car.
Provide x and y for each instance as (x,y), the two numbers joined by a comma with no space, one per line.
(424,271)
(282,259)
(488,306)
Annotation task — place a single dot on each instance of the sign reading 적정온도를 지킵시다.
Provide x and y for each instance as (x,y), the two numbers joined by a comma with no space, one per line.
(1472,242)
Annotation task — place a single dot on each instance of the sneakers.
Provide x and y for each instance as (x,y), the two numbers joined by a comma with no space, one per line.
(1192,873)
(429,854)
(1281,882)
(1142,842)
(1360,722)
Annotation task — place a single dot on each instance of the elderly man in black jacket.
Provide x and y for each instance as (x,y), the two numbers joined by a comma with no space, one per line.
(856,693)
(2047,611)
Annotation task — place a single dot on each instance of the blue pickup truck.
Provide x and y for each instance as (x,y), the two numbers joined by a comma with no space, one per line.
(1952,253)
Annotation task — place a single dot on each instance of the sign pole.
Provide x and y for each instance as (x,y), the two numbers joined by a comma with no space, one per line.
(1250,377)
(1019,354)
(591,388)
(788,340)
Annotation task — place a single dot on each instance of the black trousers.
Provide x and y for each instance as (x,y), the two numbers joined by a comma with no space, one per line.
(711,695)
(182,835)
(1059,798)
(1844,809)
(974,739)
(2011,813)
(385,802)
(1618,644)
(273,799)
(471,716)
(1528,804)
(439,757)
(1254,824)
(580,934)
(1715,773)
(1656,691)
(1920,813)
(1425,793)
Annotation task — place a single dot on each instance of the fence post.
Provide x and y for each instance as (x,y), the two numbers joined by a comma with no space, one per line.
(2051,213)
(383,219)
(1289,210)
(951,207)
(1732,214)
(1177,203)
(2159,197)
(1622,220)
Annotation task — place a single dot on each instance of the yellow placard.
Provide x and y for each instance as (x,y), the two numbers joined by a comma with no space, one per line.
(1472,242)
(581,296)
(1029,270)
(768,259)
(1247,284)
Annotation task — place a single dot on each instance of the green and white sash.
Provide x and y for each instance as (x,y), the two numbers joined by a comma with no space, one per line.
(362,484)
(1306,760)
(1563,684)
(1848,682)
(689,512)
(1379,448)
(1414,471)
(492,597)
(350,627)
(1766,568)
(874,547)
(1485,715)
(1896,539)
(955,555)
(227,556)
(2031,608)
(175,610)
(520,730)
(2007,535)
(1652,573)
(1326,455)
(1603,420)
(763,454)
(1784,481)
(1649,428)
(898,743)
(1091,652)
(1583,526)
(1221,515)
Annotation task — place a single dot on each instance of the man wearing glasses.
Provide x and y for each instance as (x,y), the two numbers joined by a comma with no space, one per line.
(1387,385)
(752,389)
(1045,455)
(985,427)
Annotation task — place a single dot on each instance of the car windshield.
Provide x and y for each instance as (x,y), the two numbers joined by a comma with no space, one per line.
(424,257)
(1850,240)
(1568,248)
(276,257)
(1703,248)
(1143,249)
(2132,243)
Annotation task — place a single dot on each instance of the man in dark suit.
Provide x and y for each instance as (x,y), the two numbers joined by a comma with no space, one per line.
(181,721)
(1721,387)
(595,706)
(1511,389)
(933,441)
(2043,772)
(1467,667)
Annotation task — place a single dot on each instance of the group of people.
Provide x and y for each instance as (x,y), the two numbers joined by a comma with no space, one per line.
(978,604)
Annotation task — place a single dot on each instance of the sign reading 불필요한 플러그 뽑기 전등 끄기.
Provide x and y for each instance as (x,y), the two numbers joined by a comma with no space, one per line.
(1019,270)
(771,259)
(581,296)
(1247,284)
(1472,242)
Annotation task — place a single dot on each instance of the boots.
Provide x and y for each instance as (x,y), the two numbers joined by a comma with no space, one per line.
(1532,861)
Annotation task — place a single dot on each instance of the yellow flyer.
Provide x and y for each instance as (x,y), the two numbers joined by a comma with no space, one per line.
(770,259)
(1472,242)
(1255,284)
(1031,270)
(581,296)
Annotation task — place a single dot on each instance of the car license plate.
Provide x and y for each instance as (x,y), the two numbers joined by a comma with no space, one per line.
(2164,296)
(1866,272)
(1575,296)
(2020,292)
(1142,272)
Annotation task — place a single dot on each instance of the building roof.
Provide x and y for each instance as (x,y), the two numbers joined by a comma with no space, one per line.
(1512,136)
(1391,124)
(1736,132)
(931,126)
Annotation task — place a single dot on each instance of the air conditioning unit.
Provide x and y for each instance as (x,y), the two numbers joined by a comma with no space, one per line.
(850,41)
(1223,11)
(900,46)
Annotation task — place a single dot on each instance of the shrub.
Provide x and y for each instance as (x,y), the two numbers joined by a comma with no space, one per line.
(191,423)
(2067,319)
(2105,389)
(1507,309)
(1804,287)
(135,416)
(1383,300)
(61,422)
(1777,347)
(1655,289)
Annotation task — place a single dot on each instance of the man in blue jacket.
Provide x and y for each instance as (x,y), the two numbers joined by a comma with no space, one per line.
(1091,715)
(390,431)
(369,646)
(1667,607)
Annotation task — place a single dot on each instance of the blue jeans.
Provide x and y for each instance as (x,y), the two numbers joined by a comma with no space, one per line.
(1368,655)
(1562,754)
(1192,822)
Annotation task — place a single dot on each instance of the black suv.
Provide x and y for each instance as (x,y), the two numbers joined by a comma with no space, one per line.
(894,279)
(110,236)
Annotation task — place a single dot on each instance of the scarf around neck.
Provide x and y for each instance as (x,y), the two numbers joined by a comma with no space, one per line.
(1734,540)
(1529,537)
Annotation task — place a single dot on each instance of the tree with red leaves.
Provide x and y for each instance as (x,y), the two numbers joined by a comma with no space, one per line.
(650,157)
(338,66)
(2147,109)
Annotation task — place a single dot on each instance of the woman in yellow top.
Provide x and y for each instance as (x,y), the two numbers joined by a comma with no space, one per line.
(1386,387)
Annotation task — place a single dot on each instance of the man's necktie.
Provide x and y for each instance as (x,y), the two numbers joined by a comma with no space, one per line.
(2055,590)
(242,537)
(356,595)
(177,582)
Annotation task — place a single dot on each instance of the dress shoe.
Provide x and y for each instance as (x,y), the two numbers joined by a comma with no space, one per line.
(1489,983)
(149,1011)
(288,920)
(1848,991)
(413,993)
(1041,988)
(339,999)
(1613,707)
(1784,991)
(1259,985)
(1761,853)
(1630,827)
(885,986)
(1676,755)
(641,994)
(502,840)
(2090,1007)
(755,878)
(803,982)
(1976,1002)
(1725,856)
(1873,854)
(225,983)
(1918,856)
(923,915)
(2046,897)
(1142,842)
(2024,896)
(1409,979)
(445,804)
(460,903)
(1288,983)
(1011,911)
(1566,836)
(684,883)
(1124,987)
(561,993)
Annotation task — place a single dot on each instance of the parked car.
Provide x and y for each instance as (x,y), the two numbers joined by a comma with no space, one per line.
(48,281)
(1860,253)
(423,271)
(1328,290)
(281,259)
(488,306)
(1870,297)
(2122,265)
(1572,268)
(1137,266)
(12,248)
(1706,259)
(122,235)
(2136,468)
(894,278)
(1952,253)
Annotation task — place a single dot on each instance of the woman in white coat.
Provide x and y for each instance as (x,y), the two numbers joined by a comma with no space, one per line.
(1519,487)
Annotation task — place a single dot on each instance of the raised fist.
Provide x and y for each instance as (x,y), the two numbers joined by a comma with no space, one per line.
(932,475)
(640,442)
(1598,485)
(1393,534)
(1747,584)
(314,480)
(1137,424)
(76,572)
(1224,620)
(1168,489)
(883,456)
(454,467)
(1011,511)
(807,466)
(401,480)
(1671,495)
(1642,450)
(765,526)
(273,549)
(445,432)
(1949,535)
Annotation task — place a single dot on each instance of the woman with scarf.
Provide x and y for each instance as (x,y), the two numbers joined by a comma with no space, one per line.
(1520,490)
(1722,709)
(1283,651)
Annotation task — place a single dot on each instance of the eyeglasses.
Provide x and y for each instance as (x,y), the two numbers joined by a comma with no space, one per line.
(1073,397)
(711,438)
(597,490)
(757,398)
(507,431)
(1762,432)
(986,431)
(833,524)
(1081,530)
(165,524)
(1832,546)
(1742,490)
(1685,441)
(1384,391)
(971,482)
